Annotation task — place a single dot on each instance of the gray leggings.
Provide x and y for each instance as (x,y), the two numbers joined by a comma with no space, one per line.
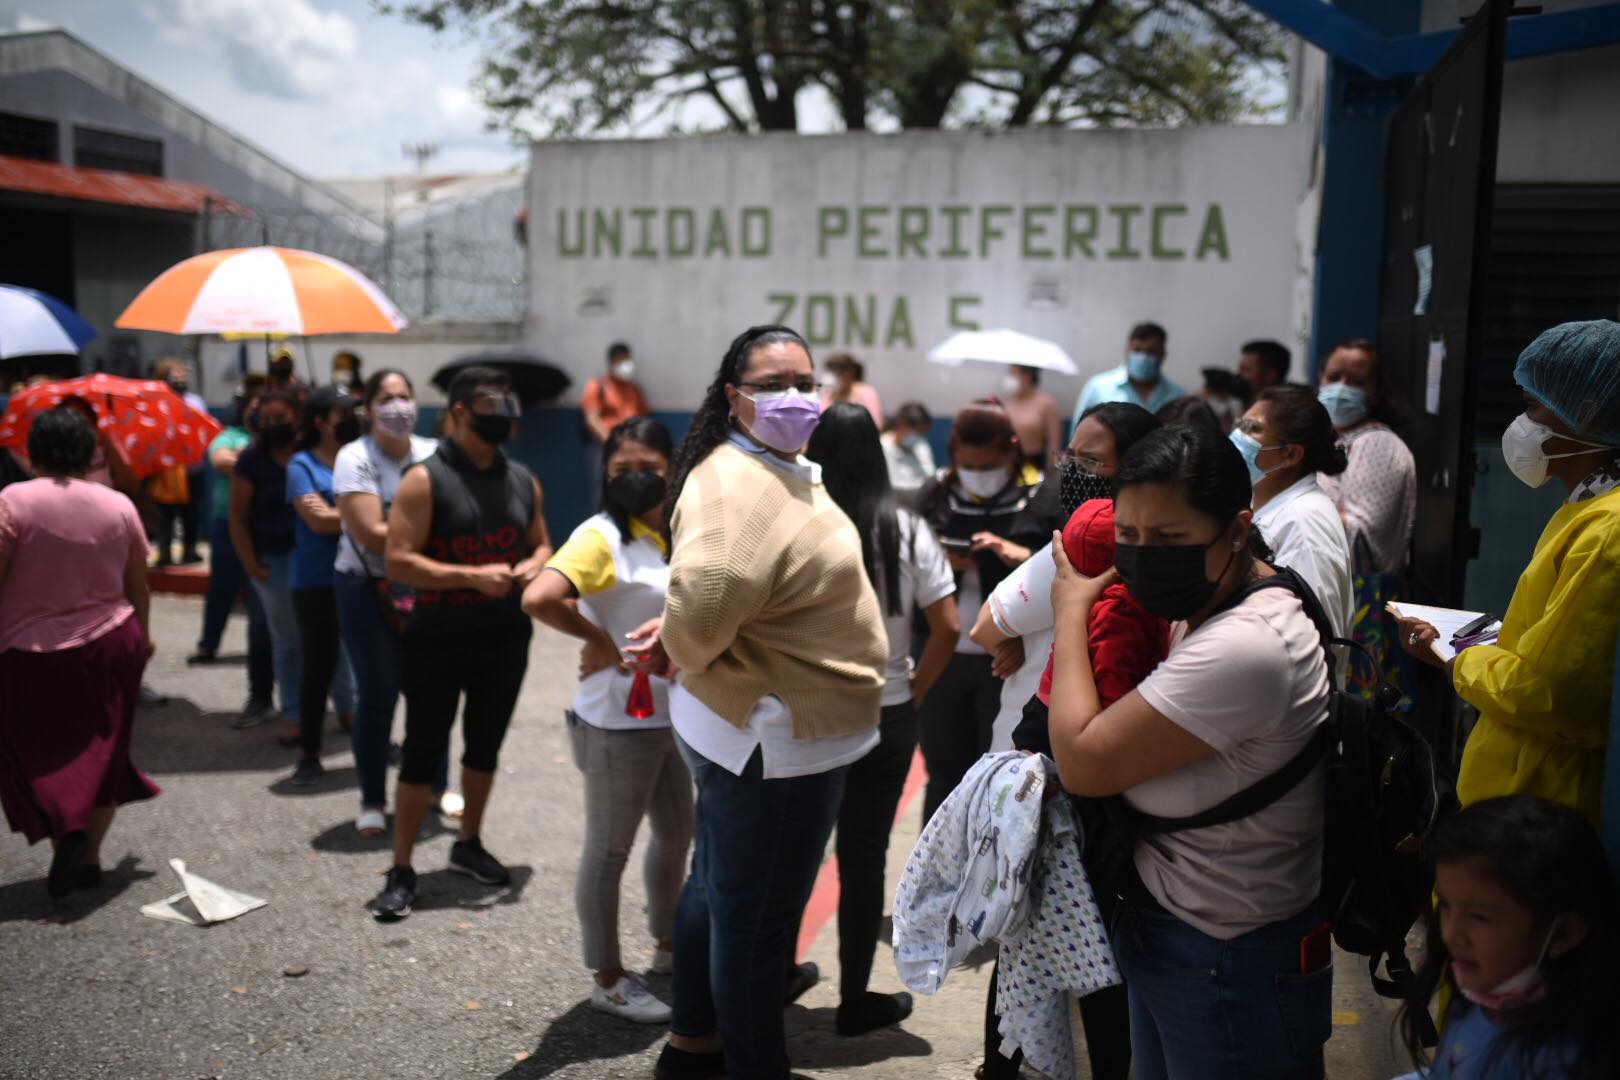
(629,775)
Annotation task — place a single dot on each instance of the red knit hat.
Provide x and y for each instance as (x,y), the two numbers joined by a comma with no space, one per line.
(1088,538)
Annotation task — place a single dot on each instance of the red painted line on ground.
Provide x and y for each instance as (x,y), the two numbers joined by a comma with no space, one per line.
(824,896)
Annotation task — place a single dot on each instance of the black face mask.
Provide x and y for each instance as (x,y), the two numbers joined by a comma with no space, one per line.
(1077,486)
(635,493)
(347,429)
(1169,579)
(493,429)
(279,436)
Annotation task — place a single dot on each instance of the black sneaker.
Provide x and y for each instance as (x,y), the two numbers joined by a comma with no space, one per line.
(254,713)
(676,1064)
(870,1011)
(800,978)
(309,771)
(399,889)
(64,875)
(469,857)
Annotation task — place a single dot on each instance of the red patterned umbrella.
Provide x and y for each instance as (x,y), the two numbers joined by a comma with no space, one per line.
(151,426)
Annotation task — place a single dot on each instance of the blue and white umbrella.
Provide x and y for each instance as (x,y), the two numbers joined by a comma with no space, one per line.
(34,324)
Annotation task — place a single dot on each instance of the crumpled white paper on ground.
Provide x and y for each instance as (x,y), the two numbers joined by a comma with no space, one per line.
(202,902)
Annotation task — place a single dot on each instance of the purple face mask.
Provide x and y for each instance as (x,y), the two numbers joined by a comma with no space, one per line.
(784,419)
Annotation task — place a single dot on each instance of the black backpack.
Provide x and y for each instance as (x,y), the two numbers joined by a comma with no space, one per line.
(1383,802)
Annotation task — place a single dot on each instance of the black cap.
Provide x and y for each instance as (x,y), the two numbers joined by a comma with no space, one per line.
(324,399)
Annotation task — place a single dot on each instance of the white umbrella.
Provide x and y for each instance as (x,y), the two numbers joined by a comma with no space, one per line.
(1003,347)
(34,324)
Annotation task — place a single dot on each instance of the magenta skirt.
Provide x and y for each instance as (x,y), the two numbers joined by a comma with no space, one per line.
(65,720)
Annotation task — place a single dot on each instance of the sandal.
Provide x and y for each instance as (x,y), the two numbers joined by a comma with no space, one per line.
(371,823)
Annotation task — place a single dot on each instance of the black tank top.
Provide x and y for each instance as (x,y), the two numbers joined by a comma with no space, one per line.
(480,516)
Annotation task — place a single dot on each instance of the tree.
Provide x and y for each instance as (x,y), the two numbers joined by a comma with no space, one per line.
(572,67)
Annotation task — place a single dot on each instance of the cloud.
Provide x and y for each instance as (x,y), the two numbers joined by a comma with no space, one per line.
(287,49)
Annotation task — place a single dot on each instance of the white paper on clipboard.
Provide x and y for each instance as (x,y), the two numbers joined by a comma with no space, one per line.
(1446,620)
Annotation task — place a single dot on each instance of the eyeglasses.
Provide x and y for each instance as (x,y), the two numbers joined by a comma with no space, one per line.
(806,385)
(1066,460)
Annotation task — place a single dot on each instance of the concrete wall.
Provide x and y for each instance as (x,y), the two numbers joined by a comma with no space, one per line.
(885,244)
(419,350)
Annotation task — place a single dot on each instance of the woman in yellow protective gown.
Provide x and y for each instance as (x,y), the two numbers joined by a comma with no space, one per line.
(1543,689)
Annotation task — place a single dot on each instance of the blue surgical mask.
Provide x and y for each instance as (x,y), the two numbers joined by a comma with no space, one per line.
(1250,448)
(1344,403)
(1143,367)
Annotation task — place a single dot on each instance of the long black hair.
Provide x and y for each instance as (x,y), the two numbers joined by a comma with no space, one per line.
(645,431)
(1548,858)
(1127,422)
(711,424)
(1203,465)
(845,444)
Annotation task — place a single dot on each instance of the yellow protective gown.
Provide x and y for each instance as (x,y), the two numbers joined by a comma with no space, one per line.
(1543,689)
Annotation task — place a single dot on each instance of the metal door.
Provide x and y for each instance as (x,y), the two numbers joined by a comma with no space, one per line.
(1440,175)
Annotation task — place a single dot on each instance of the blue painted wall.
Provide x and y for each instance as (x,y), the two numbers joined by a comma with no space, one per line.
(1350,238)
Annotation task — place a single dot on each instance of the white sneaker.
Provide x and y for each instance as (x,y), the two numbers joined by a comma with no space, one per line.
(663,962)
(629,1000)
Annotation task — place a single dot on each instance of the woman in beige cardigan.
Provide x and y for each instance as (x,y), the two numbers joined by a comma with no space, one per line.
(781,647)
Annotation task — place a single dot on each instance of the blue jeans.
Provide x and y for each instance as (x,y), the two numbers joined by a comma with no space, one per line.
(757,847)
(286,644)
(374,651)
(227,578)
(1206,1009)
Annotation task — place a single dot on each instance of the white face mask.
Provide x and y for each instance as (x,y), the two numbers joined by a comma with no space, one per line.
(623,370)
(983,483)
(1521,445)
(1011,384)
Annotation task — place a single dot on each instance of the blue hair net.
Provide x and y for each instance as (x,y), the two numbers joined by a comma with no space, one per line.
(1574,370)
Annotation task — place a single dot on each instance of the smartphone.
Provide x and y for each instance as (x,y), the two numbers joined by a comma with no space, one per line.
(1316,949)
(1474,627)
(951,543)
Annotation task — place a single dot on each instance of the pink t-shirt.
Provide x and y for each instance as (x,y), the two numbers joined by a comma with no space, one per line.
(68,542)
(861,394)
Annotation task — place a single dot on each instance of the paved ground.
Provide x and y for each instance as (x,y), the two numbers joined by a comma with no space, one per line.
(477,983)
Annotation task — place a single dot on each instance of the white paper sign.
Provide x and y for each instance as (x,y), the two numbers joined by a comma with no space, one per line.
(1437,368)
(1424,257)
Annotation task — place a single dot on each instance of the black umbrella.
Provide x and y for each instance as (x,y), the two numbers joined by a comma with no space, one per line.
(534,380)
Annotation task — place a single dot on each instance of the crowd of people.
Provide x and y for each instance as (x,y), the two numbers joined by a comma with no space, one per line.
(778,612)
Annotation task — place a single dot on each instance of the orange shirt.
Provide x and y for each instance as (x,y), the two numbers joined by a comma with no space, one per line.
(613,399)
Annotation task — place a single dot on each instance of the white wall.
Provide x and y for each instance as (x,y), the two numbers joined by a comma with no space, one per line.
(1560,113)
(1224,271)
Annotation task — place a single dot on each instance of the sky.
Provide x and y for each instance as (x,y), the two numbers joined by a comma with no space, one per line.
(330,87)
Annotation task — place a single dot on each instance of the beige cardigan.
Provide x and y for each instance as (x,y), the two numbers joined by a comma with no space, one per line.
(768,595)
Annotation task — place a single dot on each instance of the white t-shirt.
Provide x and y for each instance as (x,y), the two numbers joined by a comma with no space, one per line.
(362,467)
(1251,683)
(1307,535)
(925,579)
(1021,605)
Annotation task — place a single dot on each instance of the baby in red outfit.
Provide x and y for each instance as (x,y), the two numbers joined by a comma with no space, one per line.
(1126,643)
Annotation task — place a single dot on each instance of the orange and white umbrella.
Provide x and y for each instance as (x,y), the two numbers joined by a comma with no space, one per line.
(262,290)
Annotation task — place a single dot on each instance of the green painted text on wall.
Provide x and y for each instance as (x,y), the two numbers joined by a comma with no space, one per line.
(1156,232)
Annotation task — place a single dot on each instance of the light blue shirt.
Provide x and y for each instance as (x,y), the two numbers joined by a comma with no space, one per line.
(1115,385)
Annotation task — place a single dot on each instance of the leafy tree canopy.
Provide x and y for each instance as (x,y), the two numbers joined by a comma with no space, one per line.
(578,67)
